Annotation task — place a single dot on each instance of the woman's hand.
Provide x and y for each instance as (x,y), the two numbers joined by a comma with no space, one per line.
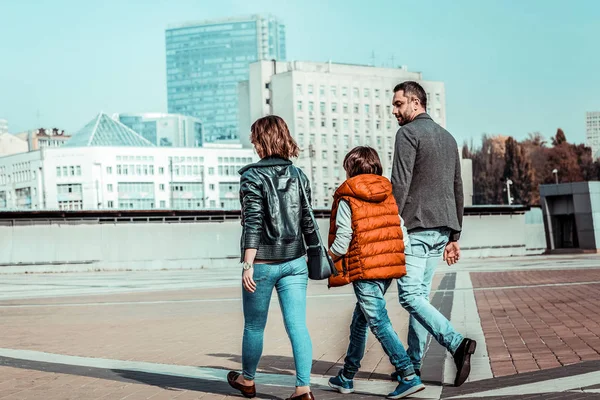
(248,281)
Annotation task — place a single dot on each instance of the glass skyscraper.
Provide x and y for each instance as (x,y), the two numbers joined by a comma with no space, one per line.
(205,62)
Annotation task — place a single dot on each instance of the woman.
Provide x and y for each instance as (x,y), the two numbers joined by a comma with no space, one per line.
(275,220)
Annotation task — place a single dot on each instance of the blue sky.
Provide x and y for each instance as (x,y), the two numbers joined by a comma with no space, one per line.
(510,66)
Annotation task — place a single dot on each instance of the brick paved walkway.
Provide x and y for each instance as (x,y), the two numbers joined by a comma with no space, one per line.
(539,325)
(533,328)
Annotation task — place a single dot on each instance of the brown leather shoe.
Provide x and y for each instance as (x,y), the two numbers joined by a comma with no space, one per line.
(247,391)
(305,396)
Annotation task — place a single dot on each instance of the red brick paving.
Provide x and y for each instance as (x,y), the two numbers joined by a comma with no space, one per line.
(534,328)
(531,278)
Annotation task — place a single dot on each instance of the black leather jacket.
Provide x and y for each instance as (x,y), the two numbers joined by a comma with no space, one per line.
(275,216)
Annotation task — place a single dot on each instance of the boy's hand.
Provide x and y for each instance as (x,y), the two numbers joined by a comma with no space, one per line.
(452,253)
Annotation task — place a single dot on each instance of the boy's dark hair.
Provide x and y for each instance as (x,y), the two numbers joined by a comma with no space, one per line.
(362,160)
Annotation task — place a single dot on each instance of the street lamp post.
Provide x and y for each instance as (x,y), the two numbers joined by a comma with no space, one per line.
(555,172)
(508,184)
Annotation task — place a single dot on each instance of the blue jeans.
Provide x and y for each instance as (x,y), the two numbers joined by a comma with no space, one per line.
(423,250)
(290,279)
(370,312)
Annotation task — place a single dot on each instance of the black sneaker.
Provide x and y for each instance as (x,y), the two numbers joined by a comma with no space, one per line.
(462,359)
(394,374)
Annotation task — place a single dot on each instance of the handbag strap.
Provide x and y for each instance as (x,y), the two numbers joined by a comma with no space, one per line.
(310,210)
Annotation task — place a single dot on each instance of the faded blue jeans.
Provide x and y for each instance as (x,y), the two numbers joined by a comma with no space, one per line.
(290,279)
(423,249)
(370,312)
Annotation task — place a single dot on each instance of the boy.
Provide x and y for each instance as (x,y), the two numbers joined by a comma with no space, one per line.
(365,241)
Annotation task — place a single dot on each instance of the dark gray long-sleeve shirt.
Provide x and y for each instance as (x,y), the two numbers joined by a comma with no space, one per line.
(426,177)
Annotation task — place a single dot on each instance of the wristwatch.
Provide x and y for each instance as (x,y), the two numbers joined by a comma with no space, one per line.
(246,265)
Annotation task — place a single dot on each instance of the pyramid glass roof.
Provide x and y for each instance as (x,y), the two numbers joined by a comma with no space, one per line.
(105,131)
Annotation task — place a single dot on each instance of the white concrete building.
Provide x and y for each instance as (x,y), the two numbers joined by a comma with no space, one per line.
(162,129)
(331,108)
(11,144)
(108,166)
(592,130)
(3,126)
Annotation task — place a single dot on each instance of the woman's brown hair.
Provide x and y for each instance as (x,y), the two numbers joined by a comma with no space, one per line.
(362,160)
(271,137)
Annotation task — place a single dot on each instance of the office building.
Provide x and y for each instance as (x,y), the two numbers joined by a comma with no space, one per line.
(205,62)
(331,108)
(168,130)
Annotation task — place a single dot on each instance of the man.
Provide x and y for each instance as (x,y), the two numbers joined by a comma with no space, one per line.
(427,187)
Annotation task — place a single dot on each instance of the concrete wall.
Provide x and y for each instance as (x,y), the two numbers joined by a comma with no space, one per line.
(88,247)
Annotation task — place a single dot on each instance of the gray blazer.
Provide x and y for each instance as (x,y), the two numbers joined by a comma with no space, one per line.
(426,177)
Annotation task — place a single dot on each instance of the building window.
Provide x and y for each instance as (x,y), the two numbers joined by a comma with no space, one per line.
(109,187)
(301,138)
(345,108)
(322,107)
(325,172)
(152,170)
(355,92)
(324,154)
(356,108)
(367,108)
(57,171)
(72,170)
(334,107)
(299,89)
(388,125)
(161,187)
(376,93)
(311,106)
(367,92)
(388,110)
(299,107)
(344,91)
(324,139)
(356,140)
(119,171)
(334,123)
(312,138)
(438,113)
(211,186)
(346,125)
(109,170)
(321,90)
(437,97)
(161,170)
(333,90)
(110,204)
(323,122)
(310,89)
(65,171)
(163,204)
(311,123)
(377,109)
(213,203)
(78,169)
(378,124)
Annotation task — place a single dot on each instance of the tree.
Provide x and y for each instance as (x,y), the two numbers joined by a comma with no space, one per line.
(519,171)
(559,138)
(488,171)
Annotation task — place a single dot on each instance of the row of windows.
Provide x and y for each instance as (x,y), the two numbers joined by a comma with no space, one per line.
(345,126)
(131,169)
(69,170)
(346,139)
(69,189)
(70,205)
(345,108)
(19,176)
(135,158)
(366,92)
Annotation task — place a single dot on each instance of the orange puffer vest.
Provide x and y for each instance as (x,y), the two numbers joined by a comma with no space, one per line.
(377,247)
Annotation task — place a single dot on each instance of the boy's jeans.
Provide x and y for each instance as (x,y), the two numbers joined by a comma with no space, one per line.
(370,312)
(424,249)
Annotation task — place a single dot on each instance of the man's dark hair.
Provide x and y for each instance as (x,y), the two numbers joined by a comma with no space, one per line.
(362,160)
(412,88)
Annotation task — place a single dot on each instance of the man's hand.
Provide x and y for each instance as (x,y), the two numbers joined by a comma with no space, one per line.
(452,253)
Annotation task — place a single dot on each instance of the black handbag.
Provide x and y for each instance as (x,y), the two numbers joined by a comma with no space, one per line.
(320,264)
